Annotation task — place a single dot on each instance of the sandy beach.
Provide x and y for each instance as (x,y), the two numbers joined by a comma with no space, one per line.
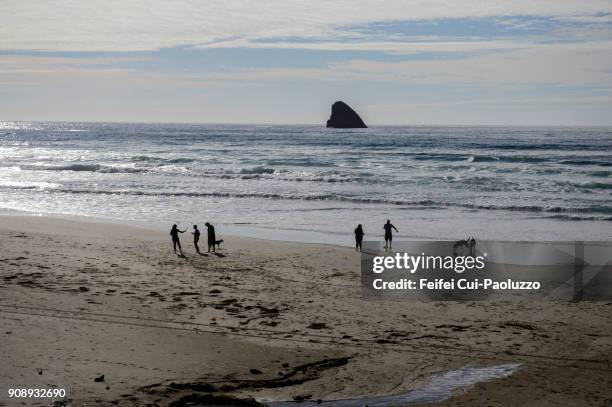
(266,320)
(412,203)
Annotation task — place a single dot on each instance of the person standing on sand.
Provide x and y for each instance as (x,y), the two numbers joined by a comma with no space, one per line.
(175,238)
(358,237)
(389,233)
(211,236)
(196,238)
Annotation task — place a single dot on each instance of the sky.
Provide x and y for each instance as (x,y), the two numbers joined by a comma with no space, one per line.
(411,62)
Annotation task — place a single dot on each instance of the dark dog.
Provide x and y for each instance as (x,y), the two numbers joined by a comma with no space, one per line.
(465,247)
(218,243)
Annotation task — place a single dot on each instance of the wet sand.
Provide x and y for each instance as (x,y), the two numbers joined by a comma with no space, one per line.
(268,320)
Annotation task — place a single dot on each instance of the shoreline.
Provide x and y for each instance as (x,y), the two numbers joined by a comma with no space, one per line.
(82,299)
(255,235)
(158,228)
(307,237)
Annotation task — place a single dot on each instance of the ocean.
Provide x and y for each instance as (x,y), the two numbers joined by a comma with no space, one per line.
(312,184)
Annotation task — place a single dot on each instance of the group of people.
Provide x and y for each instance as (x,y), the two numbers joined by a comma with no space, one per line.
(388,227)
(212,240)
(210,230)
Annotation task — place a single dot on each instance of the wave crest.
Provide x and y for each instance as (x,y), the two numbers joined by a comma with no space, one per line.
(83,168)
(409,204)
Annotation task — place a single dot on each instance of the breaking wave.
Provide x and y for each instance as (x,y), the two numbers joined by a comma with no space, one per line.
(83,168)
(356,200)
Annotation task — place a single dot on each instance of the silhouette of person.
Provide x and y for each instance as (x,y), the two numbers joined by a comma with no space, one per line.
(211,236)
(196,238)
(175,238)
(358,237)
(472,244)
(389,233)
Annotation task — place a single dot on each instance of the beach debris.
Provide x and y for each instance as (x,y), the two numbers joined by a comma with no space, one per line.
(255,371)
(204,387)
(458,328)
(317,325)
(215,400)
(99,379)
(268,311)
(295,376)
(514,324)
(384,341)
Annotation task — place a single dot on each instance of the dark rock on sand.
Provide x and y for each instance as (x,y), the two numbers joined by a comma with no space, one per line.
(343,117)
(215,400)
(294,377)
(204,387)
(317,325)
(99,379)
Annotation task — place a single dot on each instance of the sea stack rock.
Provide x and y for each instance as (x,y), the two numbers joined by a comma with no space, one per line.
(343,117)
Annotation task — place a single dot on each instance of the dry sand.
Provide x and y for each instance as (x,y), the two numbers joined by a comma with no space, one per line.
(269,320)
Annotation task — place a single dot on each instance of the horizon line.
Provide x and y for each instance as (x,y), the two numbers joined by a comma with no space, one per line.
(303,124)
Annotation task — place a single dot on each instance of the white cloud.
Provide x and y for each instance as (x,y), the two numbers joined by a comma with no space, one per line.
(562,64)
(514,79)
(53,64)
(118,25)
(579,64)
(395,47)
(582,64)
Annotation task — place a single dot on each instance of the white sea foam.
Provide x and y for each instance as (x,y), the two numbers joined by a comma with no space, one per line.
(439,182)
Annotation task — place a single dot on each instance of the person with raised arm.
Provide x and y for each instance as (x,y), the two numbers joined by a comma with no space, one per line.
(389,234)
(175,239)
